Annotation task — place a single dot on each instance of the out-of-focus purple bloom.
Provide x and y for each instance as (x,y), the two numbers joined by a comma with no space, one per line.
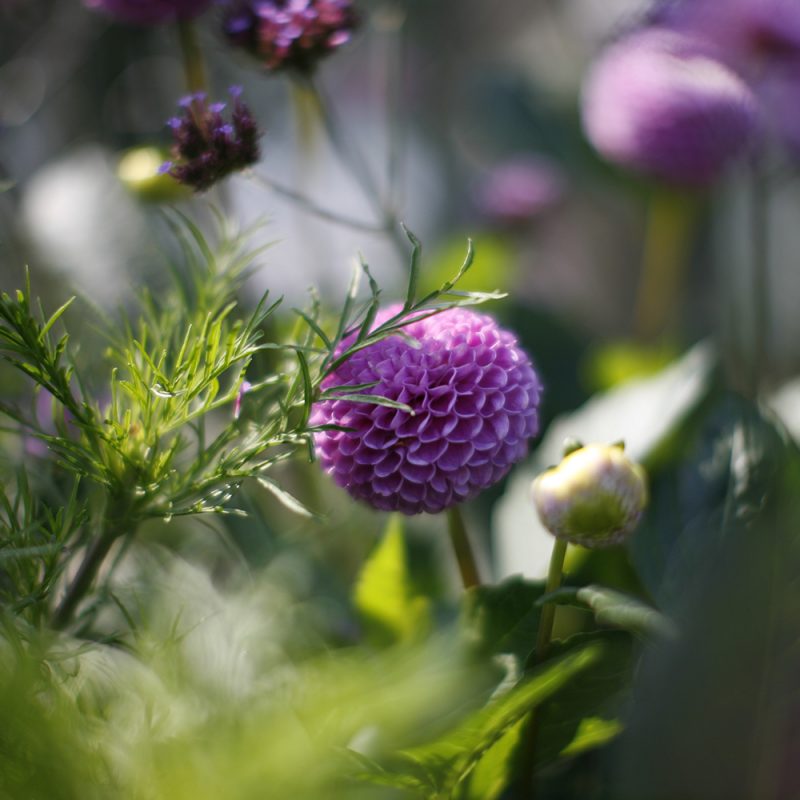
(150,12)
(474,395)
(208,147)
(519,189)
(779,92)
(290,34)
(237,404)
(746,33)
(656,103)
(48,417)
(760,40)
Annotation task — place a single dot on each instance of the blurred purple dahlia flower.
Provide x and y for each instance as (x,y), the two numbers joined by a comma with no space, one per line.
(655,102)
(290,34)
(150,12)
(519,189)
(474,395)
(745,33)
(208,147)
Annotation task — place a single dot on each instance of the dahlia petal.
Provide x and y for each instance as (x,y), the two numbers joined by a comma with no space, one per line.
(426,452)
(456,455)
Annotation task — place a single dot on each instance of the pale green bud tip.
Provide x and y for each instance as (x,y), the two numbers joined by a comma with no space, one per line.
(594,497)
(140,172)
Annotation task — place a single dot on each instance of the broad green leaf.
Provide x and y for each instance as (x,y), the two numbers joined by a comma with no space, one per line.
(491,775)
(450,760)
(715,711)
(504,618)
(725,463)
(385,595)
(592,732)
(596,695)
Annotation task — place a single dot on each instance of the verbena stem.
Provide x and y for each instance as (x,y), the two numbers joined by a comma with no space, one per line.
(462,548)
(193,64)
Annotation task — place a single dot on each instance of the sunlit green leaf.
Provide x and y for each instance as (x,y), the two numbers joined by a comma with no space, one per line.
(385,596)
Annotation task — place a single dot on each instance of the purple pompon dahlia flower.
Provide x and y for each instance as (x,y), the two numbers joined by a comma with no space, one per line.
(475,398)
(656,103)
(290,34)
(208,147)
(150,12)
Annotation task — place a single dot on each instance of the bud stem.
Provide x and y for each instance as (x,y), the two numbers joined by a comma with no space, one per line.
(462,548)
(530,734)
(548,615)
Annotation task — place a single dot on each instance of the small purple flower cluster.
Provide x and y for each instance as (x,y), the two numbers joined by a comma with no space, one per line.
(474,397)
(206,146)
(697,88)
(150,12)
(290,34)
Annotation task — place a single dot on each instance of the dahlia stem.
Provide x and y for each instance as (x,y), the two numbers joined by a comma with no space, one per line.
(664,261)
(759,198)
(465,557)
(530,734)
(193,65)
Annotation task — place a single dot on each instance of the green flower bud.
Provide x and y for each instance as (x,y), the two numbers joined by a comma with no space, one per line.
(138,169)
(594,497)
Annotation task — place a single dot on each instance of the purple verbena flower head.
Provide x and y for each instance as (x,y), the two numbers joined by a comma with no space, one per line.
(656,103)
(474,397)
(207,146)
(519,189)
(290,34)
(150,12)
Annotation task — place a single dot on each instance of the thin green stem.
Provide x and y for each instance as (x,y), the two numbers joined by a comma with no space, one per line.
(319,211)
(759,198)
(462,548)
(548,615)
(669,225)
(84,577)
(193,65)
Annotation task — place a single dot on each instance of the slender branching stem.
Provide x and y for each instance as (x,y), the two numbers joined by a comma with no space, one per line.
(462,548)
(317,210)
(352,158)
